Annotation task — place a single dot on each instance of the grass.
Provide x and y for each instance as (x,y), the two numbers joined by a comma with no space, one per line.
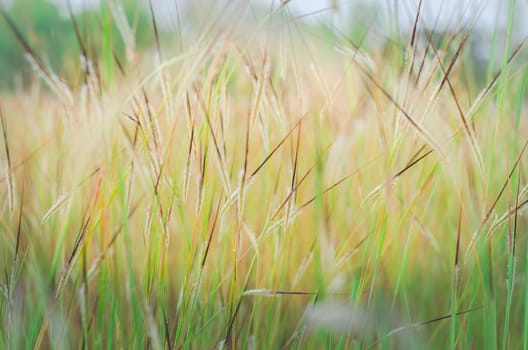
(261,189)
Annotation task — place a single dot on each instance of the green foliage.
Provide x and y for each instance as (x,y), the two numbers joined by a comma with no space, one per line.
(52,36)
(49,34)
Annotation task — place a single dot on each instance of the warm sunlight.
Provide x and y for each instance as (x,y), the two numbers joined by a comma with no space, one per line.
(263,174)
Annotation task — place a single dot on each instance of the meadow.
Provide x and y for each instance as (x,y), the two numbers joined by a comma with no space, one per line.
(264,186)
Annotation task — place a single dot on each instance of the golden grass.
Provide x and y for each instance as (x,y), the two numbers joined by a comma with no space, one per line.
(211,198)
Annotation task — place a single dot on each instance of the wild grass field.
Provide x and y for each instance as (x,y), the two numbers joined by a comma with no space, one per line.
(264,186)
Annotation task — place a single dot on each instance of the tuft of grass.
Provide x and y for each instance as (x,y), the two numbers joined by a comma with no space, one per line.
(267,186)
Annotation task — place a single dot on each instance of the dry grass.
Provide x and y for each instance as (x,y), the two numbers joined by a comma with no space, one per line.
(210,199)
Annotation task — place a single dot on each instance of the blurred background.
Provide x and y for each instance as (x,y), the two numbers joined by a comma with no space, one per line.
(48,28)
